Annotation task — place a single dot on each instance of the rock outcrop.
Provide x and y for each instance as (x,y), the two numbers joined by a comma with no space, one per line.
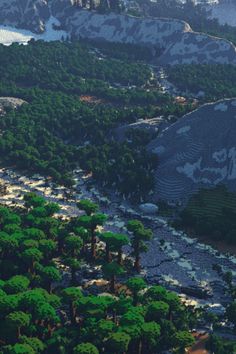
(9,103)
(174,38)
(173,41)
(27,14)
(198,151)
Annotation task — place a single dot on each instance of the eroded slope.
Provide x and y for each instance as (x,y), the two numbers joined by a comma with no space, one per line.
(196,152)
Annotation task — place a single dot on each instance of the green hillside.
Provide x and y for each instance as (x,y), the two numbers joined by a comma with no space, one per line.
(212,213)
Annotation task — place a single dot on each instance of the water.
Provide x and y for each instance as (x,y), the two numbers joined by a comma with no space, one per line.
(9,35)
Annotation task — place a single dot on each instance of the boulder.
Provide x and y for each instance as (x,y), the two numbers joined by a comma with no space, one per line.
(148,208)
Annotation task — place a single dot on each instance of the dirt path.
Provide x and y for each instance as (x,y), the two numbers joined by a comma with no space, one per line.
(199,346)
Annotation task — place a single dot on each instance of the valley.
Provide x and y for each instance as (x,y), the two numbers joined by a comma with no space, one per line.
(117,154)
(194,261)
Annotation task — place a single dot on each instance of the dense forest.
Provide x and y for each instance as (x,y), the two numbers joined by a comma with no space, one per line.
(211,213)
(58,128)
(42,310)
(49,305)
(212,82)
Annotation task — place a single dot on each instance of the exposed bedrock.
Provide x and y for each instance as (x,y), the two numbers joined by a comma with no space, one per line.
(198,151)
(174,39)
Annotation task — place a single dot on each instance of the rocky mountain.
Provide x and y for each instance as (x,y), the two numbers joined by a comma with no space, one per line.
(174,39)
(178,43)
(27,14)
(197,151)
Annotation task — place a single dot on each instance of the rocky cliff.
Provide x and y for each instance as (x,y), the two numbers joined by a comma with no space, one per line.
(198,151)
(27,14)
(178,43)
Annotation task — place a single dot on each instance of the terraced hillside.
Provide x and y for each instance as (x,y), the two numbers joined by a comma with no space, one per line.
(212,214)
(199,151)
(211,202)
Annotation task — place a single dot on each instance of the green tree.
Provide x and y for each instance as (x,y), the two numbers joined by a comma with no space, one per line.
(135,285)
(140,236)
(91,223)
(50,274)
(36,344)
(118,343)
(31,256)
(16,284)
(103,329)
(83,234)
(73,245)
(114,242)
(8,245)
(71,296)
(18,320)
(74,265)
(8,303)
(156,293)
(47,315)
(47,247)
(85,348)
(34,234)
(33,200)
(30,299)
(151,332)
(108,238)
(19,348)
(120,241)
(183,340)
(157,310)
(88,206)
(111,271)
(52,208)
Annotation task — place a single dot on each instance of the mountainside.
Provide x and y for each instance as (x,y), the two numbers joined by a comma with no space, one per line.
(173,41)
(196,152)
(175,38)
(27,14)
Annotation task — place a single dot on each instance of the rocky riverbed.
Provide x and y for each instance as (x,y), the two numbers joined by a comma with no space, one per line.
(179,262)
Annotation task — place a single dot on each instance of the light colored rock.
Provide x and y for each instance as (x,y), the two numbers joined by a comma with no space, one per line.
(148,208)
(198,151)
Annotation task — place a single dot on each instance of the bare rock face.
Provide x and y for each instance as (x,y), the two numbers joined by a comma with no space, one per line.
(173,38)
(198,48)
(198,151)
(151,126)
(27,14)
(10,103)
(125,29)
(179,44)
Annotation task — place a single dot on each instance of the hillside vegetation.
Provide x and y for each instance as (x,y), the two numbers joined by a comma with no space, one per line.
(212,81)
(212,213)
(50,134)
(42,310)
